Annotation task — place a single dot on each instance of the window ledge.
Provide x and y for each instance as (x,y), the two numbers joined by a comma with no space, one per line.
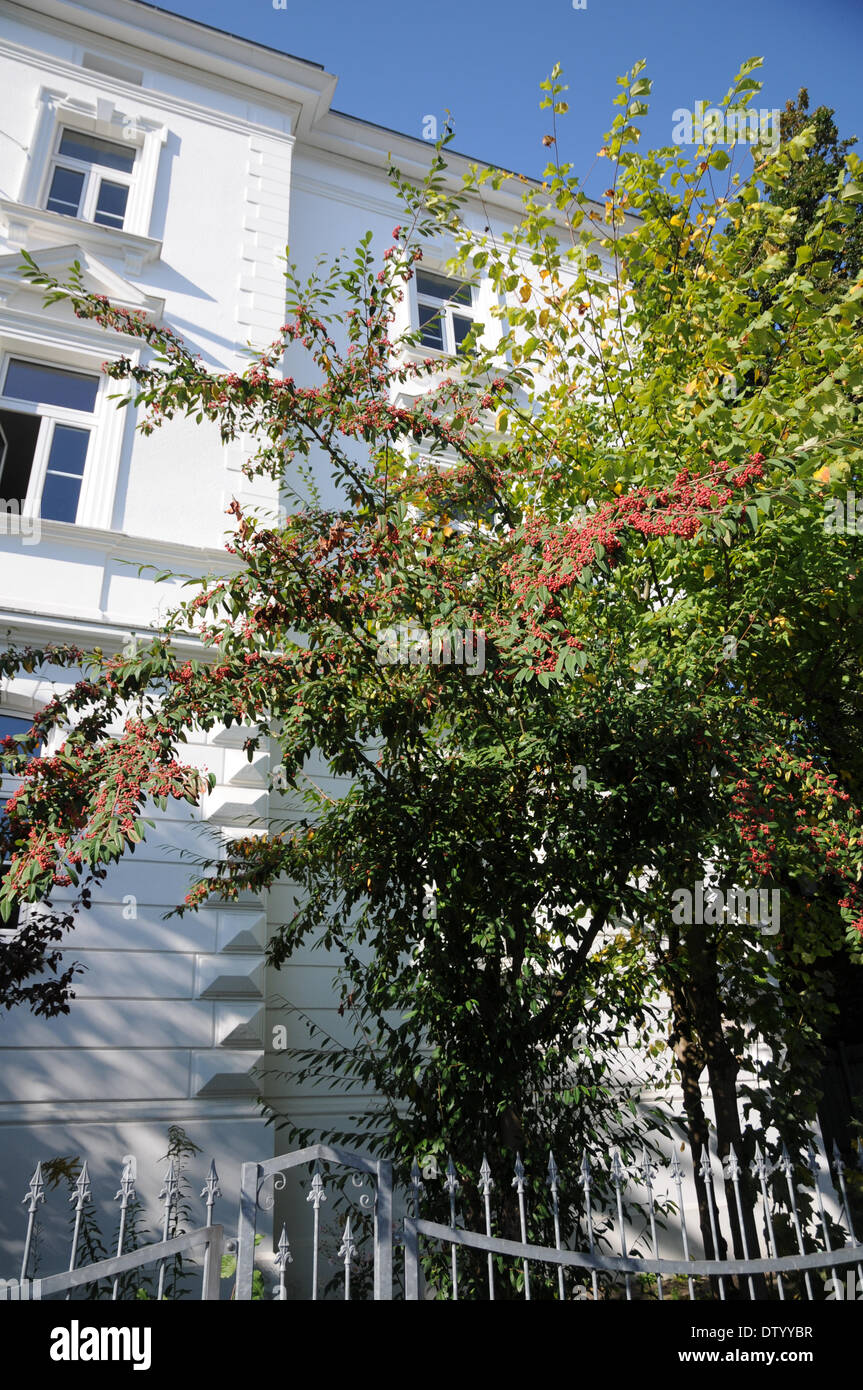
(20,223)
(126,544)
(438,355)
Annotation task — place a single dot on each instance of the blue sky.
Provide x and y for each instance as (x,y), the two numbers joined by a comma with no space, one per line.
(484,60)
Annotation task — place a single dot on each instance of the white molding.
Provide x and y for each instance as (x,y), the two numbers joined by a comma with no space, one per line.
(111,636)
(22,221)
(302,183)
(120,545)
(285,97)
(54,1113)
(75,335)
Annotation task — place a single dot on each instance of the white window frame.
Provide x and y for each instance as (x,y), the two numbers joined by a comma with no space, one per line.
(101,117)
(446,308)
(94,175)
(50,415)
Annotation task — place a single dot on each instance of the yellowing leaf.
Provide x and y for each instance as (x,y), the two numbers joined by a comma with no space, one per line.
(709,571)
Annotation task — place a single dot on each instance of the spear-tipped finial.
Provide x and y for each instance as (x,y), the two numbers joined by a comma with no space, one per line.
(518,1180)
(760,1165)
(811,1160)
(732,1167)
(82,1188)
(35,1191)
(283,1256)
(211,1189)
(126,1190)
(417,1184)
(451,1182)
(838,1162)
(647,1169)
(316,1191)
(705,1167)
(553,1179)
(171,1183)
(586,1177)
(486,1180)
(618,1172)
(347,1249)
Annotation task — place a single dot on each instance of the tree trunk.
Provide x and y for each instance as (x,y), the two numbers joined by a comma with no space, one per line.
(722,1072)
(690,1064)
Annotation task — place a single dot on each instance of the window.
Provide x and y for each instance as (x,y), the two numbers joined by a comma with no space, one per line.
(90,178)
(11,726)
(46,419)
(445,309)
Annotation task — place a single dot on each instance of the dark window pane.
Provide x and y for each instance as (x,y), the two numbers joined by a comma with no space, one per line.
(13,725)
(65,192)
(431,330)
(62,486)
(68,450)
(94,150)
(461,328)
(30,381)
(111,205)
(18,436)
(60,498)
(442,288)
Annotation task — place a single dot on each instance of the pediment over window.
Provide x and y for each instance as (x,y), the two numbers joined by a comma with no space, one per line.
(98,278)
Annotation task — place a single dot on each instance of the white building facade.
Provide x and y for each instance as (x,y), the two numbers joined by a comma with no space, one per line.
(173,163)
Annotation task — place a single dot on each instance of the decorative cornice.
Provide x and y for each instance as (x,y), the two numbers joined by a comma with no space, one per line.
(147,96)
(184,48)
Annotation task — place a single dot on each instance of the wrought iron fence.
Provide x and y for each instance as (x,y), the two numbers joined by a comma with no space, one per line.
(466,1235)
(207,1240)
(758,1270)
